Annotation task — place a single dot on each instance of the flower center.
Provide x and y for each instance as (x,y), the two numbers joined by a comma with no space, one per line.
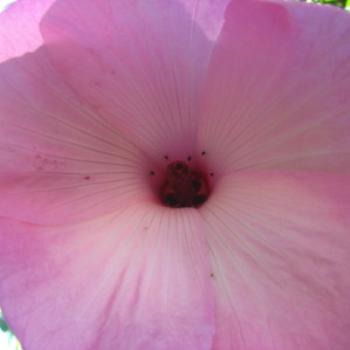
(183,186)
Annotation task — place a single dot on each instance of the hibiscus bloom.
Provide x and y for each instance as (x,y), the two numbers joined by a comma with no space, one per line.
(175,174)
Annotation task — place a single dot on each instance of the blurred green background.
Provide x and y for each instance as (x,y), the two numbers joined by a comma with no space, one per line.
(7,339)
(340,3)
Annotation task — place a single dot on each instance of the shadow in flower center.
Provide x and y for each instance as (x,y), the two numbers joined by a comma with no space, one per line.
(183,184)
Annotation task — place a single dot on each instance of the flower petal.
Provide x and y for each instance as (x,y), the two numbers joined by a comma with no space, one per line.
(19,30)
(135,280)
(208,14)
(281,252)
(60,161)
(139,63)
(277,95)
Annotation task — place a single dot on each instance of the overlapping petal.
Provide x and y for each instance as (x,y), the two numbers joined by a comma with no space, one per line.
(208,14)
(275,124)
(140,64)
(128,280)
(19,27)
(277,94)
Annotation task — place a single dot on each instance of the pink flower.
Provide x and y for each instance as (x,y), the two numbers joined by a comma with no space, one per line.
(175,175)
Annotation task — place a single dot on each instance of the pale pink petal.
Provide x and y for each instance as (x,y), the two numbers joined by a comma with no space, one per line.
(60,160)
(19,27)
(277,94)
(140,64)
(136,280)
(208,14)
(280,248)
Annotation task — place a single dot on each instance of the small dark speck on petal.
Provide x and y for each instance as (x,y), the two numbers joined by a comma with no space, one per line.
(87,177)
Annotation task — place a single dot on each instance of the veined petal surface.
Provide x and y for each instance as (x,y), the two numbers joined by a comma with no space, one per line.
(138,279)
(280,252)
(277,92)
(141,65)
(88,256)
(60,161)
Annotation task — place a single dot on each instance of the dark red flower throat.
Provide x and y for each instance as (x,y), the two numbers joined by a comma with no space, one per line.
(183,186)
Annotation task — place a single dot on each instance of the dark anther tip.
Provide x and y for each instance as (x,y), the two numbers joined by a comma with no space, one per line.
(171,200)
(198,200)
